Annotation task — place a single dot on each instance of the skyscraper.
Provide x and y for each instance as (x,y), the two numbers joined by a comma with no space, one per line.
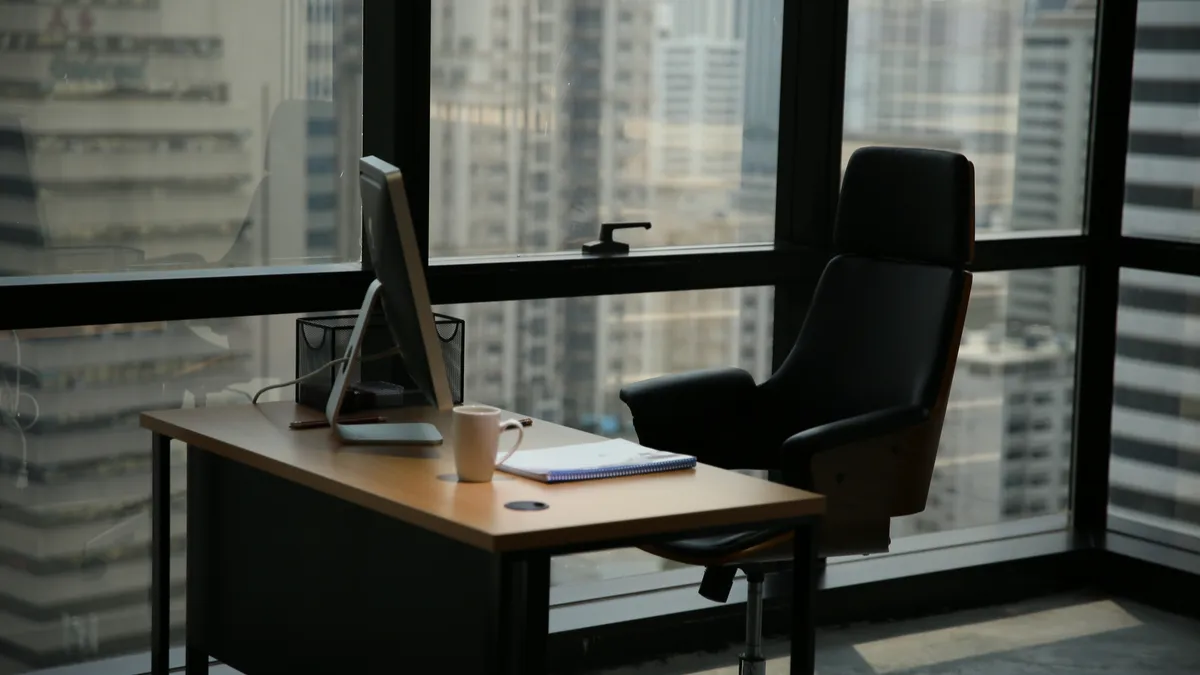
(918,69)
(761,23)
(130,139)
(1155,467)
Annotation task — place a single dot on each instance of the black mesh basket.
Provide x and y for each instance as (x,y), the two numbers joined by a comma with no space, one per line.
(322,339)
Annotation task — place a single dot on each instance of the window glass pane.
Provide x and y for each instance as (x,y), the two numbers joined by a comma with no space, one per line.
(566,360)
(75,471)
(1154,473)
(632,110)
(1162,171)
(1009,407)
(1008,84)
(145,135)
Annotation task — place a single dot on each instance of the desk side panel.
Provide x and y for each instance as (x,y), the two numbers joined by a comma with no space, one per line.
(302,582)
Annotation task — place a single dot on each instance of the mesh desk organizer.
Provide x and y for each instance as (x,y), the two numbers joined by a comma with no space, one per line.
(322,339)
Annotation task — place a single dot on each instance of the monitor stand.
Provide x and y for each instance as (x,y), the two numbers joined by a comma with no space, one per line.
(407,433)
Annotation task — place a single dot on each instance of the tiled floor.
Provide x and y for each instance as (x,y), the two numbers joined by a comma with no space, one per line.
(1071,635)
(1064,635)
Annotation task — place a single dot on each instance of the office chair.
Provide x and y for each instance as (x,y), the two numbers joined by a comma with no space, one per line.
(856,409)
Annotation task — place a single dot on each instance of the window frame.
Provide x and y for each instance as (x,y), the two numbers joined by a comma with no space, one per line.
(397,37)
(397,41)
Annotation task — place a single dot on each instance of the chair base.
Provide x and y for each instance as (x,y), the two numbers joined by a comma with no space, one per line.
(752,666)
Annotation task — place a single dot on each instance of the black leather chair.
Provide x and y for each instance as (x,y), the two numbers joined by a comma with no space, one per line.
(856,409)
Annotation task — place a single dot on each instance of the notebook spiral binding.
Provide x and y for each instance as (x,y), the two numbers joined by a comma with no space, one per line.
(632,470)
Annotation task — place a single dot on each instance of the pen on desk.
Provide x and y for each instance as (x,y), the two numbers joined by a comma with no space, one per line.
(318,424)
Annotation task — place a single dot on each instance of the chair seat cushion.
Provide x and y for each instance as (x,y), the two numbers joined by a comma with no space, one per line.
(724,549)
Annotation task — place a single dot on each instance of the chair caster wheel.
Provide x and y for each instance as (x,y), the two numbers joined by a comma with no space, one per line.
(752,666)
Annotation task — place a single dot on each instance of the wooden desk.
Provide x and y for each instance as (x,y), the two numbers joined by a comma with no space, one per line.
(305,555)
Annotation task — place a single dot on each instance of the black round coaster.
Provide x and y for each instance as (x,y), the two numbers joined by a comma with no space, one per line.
(453,478)
(527,506)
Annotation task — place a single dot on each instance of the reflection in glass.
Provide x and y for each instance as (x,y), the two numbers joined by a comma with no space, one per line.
(1009,418)
(1161,198)
(1154,473)
(75,471)
(178,133)
(1008,84)
(550,117)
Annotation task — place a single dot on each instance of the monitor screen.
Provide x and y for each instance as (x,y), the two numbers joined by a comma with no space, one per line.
(391,244)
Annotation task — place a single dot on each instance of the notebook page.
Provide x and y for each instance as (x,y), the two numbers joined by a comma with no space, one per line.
(612,453)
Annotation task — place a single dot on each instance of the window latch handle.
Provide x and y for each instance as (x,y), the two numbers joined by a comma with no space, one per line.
(606,245)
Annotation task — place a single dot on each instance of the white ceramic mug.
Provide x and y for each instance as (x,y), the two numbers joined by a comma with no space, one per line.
(477,431)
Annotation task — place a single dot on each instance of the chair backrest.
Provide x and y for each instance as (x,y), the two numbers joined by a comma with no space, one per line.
(886,319)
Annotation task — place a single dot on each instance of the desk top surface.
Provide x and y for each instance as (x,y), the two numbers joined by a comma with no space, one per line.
(416,485)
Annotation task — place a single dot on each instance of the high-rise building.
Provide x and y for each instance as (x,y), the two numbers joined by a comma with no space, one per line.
(920,69)
(1029,362)
(761,28)
(131,138)
(697,90)
(551,118)
(1155,468)
(1051,160)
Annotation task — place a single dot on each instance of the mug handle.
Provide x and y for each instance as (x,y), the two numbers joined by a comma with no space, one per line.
(520,429)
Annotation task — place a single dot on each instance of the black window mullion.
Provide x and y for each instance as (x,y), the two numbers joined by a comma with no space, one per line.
(1104,201)
(396,66)
(810,149)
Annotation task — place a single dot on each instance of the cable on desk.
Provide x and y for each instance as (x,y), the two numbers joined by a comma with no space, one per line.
(318,371)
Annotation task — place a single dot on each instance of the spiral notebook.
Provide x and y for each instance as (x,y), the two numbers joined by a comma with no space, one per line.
(606,459)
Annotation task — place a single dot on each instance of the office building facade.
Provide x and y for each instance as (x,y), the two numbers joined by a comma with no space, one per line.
(550,118)
(1155,467)
(131,141)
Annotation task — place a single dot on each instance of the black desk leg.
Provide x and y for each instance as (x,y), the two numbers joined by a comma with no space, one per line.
(524,614)
(804,595)
(160,554)
(199,509)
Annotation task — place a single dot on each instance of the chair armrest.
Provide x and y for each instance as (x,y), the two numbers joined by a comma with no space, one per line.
(854,430)
(708,413)
(687,394)
(861,463)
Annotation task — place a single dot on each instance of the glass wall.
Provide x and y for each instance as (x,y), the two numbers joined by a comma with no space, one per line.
(549,118)
(1154,473)
(565,360)
(1007,83)
(1163,166)
(1005,452)
(75,471)
(159,134)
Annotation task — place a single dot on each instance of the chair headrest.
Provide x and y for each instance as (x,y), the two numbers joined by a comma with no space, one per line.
(908,204)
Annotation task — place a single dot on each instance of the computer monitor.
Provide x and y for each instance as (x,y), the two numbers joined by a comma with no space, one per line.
(400,287)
